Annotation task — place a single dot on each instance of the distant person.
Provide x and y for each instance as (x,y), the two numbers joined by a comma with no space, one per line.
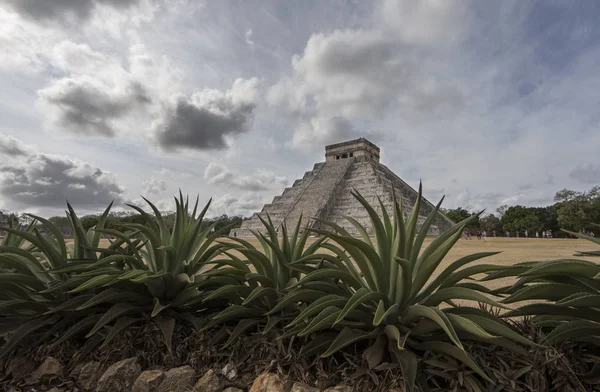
(550,233)
(494,233)
(507,234)
(478,234)
(537,234)
(484,234)
(526,234)
(543,233)
(518,234)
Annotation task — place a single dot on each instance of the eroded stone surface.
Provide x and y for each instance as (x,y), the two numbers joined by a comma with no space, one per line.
(229,371)
(120,376)
(269,382)
(50,369)
(210,382)
(339,388)
(148,381)
(297,387)
(232,389)
(177,379)
(89,375)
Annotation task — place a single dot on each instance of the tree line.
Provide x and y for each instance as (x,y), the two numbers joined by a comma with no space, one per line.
(572,210)
(116,220)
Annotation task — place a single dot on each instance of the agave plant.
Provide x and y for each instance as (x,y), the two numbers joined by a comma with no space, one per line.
(35,279)
(255,283)
(158,281)
(567,293)
(391,293)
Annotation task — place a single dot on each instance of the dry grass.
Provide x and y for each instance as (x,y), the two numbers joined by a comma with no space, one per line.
(514,250)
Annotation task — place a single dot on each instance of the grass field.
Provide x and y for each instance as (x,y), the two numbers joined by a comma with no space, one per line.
(514,250)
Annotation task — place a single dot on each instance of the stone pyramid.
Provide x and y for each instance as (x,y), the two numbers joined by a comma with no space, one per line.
(325,192)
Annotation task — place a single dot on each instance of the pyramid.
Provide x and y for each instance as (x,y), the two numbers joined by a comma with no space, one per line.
(325,193)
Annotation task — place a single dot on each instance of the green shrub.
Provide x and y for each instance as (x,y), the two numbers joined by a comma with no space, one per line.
(567,296)
(37,283)
(385,293)
(255,286)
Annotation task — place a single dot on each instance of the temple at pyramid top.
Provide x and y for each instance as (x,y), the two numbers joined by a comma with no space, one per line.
(353,148)
(325,192)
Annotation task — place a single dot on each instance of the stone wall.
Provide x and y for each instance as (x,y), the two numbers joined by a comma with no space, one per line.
(128,376)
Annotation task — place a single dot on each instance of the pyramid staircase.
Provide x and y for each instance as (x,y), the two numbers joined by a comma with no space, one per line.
(325,193)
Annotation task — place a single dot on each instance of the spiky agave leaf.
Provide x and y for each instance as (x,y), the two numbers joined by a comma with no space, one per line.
(279,263)
(570,291)
(388,280)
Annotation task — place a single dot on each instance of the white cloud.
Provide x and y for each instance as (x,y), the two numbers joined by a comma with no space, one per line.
(243,205)
(248,36)
(219,174)
(365,72)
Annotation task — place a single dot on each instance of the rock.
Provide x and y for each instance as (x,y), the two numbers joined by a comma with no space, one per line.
(232,389)
(297,387)
(120,376)
(229,371)
(55,389)
(340,388)
(208,383)
(49,370)
(177,379)
(89,375)
(148,381)
(269,382)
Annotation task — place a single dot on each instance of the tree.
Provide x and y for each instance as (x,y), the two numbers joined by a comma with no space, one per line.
(459,214)
(491,223)
(520,218)
(89,221)
(576,210)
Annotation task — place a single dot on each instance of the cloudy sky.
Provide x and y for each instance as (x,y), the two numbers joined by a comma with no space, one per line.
(488,102)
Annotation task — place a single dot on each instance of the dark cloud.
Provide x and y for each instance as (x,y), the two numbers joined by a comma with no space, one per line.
(219,174)
(11,146)
(87,108)
(45,10)
(586,174)
(40,180)
(204,121)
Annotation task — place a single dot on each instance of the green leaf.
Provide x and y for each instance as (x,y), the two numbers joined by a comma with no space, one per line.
(323,320)
(452,293)
(381,313)
(166,324)
(292,298)
(414,312)
(362,296)
(548,291)
(453,351)
(114,312)
(240,328)
(573,330)
(96,281)
(374,353)
(119,326)
(23,332)
(347,337)
(258,293)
